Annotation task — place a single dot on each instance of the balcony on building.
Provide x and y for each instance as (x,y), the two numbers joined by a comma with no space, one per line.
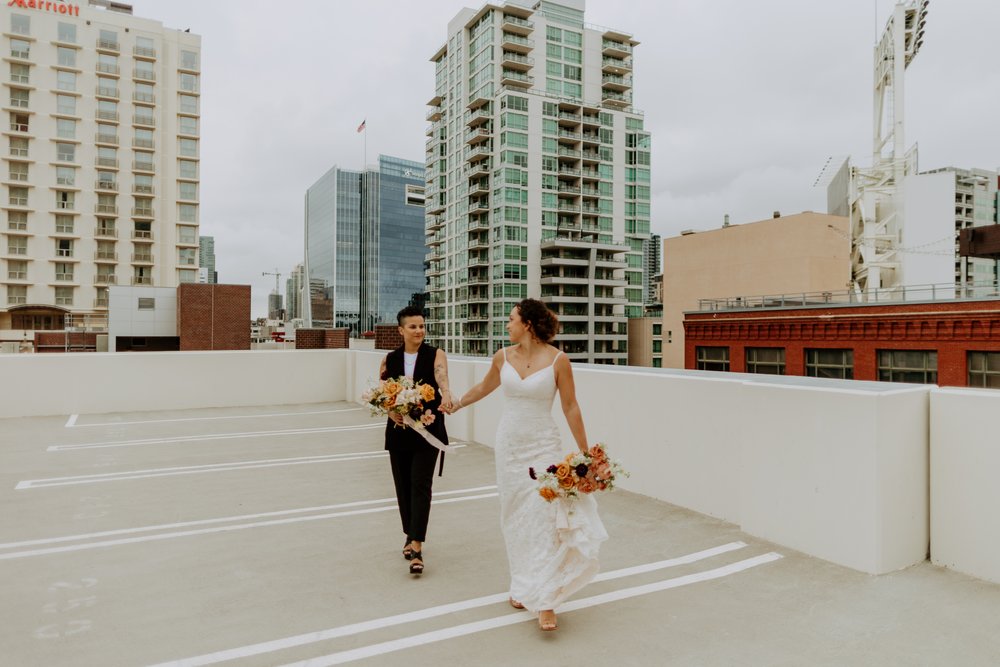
(481,115)
(478,135)
(108,46)
(516,61)
(105,256)
(516,43)
(514,78)
(477,153)
(616,99)
(616,82)
(435,114)
(620,66)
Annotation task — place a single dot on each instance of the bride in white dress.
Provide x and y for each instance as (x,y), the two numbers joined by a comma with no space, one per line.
(552,552)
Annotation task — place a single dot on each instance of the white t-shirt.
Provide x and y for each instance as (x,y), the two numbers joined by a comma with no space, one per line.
(409,363)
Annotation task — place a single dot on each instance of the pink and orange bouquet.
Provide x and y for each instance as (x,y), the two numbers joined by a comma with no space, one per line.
(404,397)
(578,473)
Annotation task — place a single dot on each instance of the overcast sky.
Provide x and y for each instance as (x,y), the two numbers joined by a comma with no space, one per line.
(745,102)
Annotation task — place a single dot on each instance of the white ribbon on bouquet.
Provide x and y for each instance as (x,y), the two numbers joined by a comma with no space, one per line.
(422,430)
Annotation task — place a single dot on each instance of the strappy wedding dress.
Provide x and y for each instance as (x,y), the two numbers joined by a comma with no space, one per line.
(552,547)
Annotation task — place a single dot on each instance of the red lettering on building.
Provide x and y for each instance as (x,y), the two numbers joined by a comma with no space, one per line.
(61,8)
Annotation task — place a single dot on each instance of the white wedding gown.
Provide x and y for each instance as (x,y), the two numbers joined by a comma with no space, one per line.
(552,547)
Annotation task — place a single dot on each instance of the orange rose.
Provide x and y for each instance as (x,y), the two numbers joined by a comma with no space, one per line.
(547,493)
(586,485)
(427,392)
(564,471)
(566,482)
(597,452)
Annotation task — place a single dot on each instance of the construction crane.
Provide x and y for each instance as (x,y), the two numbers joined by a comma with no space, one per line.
(277,279)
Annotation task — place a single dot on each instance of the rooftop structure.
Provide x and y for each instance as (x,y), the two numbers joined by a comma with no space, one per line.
(147,522)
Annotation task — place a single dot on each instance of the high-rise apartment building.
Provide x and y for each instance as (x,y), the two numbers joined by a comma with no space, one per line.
(206,258)
(293,292)
(537,180)
(100,151)
(364,233)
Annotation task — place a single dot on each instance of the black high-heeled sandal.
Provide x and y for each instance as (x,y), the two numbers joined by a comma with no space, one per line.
(407,550)
(415,566)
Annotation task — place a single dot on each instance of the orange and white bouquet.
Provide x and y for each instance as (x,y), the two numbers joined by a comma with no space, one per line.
(579,473)
(402,396)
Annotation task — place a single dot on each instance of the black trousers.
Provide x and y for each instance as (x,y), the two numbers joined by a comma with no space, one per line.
(413,475)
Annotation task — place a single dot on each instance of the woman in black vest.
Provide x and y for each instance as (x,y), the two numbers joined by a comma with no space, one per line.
(411,456)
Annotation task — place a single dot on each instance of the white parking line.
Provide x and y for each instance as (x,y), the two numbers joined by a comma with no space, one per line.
(224,519)
(195,470)
(424,614)
(195,419)
(71,421)
(218,436)
(224,529)
(523,616)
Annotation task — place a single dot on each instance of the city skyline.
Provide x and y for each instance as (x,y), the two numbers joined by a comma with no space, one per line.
(776,88)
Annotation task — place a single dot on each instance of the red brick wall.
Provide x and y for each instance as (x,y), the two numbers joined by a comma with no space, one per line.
(387,337)
(322,339)
(213,317)
(56,341)
(952,328)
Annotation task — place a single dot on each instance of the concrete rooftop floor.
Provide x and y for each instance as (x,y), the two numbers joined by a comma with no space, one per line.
(269,536)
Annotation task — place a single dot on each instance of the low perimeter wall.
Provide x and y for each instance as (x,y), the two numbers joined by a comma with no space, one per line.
(866,475)
(965,489)
(835,469)
(77,383)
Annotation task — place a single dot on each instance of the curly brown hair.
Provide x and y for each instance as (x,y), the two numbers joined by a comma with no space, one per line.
(543,322)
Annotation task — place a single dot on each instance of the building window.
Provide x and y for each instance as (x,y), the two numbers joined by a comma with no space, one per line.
(189,168)
(20,48)
(657,329)
(20,98)
(189,60)
(657,346)
(17,196)
(65,152)
(64,247)
(984,369)
(65,200)
(66,176)
(64,296)
(20,73)
(187,125)
(20,24)
(712,358)
(19,122)
(188,104)
(65,128)
(17,294)
(66,56)
(64,224)
(18,146)
(918,366)
(189,83)
(766,360)
(66,80)
(17,245)
(17,270)
(67,33)
(18,171)
(187,191)
(64,272)
(66,104)
(830,364)
(17,220)
(657,362)
(147,303)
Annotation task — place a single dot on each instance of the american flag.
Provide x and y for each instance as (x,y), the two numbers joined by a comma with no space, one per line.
(361,128)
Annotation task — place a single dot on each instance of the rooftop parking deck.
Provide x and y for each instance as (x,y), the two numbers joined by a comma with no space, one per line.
(268,535)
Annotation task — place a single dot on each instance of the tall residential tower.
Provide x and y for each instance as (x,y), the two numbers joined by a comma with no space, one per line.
(537,180)
(100,150)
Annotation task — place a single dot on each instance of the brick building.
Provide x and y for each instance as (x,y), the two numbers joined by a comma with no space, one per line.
(950,342)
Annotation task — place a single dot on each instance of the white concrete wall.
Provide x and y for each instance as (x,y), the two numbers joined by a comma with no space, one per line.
(78,383)
(125,318)
(965,491)
(836,469)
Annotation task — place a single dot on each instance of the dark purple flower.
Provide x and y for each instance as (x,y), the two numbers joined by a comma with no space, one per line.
(551,469)
(531,473)
(581,470)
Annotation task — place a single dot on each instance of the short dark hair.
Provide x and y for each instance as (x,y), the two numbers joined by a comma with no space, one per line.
(544,323)
(409,311)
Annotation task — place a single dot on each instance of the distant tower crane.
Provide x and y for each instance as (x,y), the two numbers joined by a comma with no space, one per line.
(277,279)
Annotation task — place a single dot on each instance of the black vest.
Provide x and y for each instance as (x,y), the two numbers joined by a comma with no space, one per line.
(423,371)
